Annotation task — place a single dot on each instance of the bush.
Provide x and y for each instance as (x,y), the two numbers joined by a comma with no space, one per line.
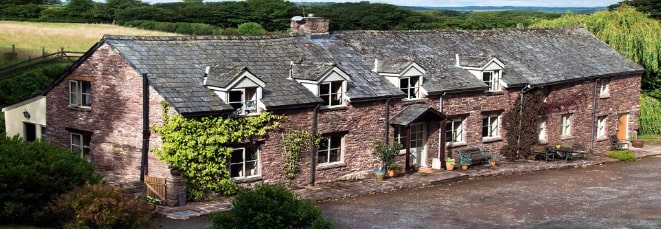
(270,206)
(622,155)
(103,206)
(32,174)
(250,29)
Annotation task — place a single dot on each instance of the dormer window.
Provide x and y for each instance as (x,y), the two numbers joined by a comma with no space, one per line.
(410,86)
(243,100)
(331,93)
(491,79)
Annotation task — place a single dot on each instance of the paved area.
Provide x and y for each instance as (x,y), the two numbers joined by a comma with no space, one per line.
(344,189)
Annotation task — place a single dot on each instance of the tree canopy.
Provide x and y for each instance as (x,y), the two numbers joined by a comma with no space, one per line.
(650,7)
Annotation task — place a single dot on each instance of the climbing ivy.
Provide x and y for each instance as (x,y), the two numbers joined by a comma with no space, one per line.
(200,147)
(296,143)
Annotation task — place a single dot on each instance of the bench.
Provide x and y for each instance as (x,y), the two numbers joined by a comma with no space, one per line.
(569,150)
(474,155)
(540,151)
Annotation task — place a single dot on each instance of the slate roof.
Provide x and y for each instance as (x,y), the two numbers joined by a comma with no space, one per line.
(414,112)
(176,65)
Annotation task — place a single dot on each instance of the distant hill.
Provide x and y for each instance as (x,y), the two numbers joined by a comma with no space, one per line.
(579,10)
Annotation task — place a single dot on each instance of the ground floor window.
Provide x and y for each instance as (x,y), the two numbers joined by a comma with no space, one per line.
(566,125)
(490,125)
(454,130)
(601,127)
(541,131)
(80,144)
(244,162)
(330,149)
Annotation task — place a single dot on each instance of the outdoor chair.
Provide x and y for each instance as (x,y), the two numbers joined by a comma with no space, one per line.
(616,144)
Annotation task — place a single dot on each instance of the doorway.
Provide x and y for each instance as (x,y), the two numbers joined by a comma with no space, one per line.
(417,147)
(29,132)
(622,126)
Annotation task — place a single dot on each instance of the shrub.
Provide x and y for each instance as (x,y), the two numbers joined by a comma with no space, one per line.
(250,29)
(622,155)
(32,173)
(103,206)
(270,206)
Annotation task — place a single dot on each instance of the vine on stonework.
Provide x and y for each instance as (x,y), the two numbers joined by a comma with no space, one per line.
(296,143)
(198,147)
(521,125)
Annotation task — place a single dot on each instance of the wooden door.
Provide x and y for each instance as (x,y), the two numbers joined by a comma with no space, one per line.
(622,121)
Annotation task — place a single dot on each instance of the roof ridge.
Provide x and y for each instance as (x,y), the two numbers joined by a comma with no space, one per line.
(193,37)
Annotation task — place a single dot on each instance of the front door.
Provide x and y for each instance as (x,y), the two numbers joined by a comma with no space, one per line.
(418,136)
(622,120)
(29,132)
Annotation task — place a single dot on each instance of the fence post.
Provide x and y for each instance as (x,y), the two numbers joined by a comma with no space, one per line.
(43,51)
(13,48)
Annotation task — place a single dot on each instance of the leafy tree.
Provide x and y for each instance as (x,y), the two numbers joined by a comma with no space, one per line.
(148,13)
(650,7)
(250,29)
(629,32)
(80,9)
(113,6)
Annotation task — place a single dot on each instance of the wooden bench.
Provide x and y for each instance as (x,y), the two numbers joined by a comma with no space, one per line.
(474,155)
(570,150)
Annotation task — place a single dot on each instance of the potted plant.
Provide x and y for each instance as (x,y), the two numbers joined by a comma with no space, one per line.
(557,144)
(635,142)
(464,165)
(393,169)
(449,163)
(386,153)
(379,174)
(493,160)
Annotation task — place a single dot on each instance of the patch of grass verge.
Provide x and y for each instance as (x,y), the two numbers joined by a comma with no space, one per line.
(650,139)
(622,155)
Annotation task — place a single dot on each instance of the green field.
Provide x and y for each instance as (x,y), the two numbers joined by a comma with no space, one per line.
(31,39)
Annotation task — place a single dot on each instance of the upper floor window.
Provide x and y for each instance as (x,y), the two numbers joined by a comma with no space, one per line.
(491,78)
(331,93)
(490,125)
(601,127)
(80,144)
(243,100)
(454,131)
(541,131)
(566,125)
(244,162)
(330,149)
(410,86)
(603,88)
(80,93)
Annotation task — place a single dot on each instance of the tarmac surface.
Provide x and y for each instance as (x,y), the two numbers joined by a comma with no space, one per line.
(354,188)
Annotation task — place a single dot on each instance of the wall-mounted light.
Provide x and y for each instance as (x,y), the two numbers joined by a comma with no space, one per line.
(26,114)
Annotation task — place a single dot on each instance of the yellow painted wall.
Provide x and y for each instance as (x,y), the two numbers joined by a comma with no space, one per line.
(14,117)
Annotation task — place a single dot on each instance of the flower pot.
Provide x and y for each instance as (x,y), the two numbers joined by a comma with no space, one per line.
(174,172)
(464,167)
(638,143)
(449,166)
(492,163)
(379,174)
(393,172)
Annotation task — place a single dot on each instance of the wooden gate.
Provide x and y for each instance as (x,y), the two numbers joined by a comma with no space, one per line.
(156,187)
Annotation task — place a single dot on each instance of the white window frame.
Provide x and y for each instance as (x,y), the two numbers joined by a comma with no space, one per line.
(492,124)
(82,147)
(411,91)
(335,89)
(325,152)
(603,88)
(493,80)
(248,100)
(565,125)
(78,96)
(244,163)
(455,129)
(601,127)
(541,131)
(400,137)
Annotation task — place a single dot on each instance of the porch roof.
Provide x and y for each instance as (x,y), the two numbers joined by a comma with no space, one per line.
(414,113)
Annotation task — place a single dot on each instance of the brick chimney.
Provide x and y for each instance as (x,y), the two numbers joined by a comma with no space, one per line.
(310,26)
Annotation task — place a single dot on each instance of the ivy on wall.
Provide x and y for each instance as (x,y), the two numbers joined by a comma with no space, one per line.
(199,147)
(296,143)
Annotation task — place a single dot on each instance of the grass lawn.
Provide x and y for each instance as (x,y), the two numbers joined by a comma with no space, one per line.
(651,139)
(30,37)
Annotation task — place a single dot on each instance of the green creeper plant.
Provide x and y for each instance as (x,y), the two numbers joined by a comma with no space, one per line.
(296,143)
(200,147)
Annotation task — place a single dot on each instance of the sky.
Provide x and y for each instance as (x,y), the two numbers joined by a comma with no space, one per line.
(450,3)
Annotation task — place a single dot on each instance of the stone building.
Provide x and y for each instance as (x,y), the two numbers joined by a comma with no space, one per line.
(433,91)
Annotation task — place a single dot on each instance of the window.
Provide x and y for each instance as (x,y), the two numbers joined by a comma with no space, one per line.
(80,144)
(566,125)
(601,127)
(454,131)
(491,79)
(244,163)
(330,150)
(80,94)
(490,125)
(603,87)
(541,131)
(400,135)
(243,100)
(331,93)
(43,133)
(410,86)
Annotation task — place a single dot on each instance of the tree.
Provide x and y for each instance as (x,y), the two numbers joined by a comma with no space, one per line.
(79,9)
(250,29)
(650,7)
(628,31)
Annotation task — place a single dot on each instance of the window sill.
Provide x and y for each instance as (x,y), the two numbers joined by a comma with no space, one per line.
(331,165)
(412,101)
(543,142)
(247,179)
(456,144)
(604,96)
(334,108)
(566,138)
(491,139)
(493,93)
(602,138)
(79,108)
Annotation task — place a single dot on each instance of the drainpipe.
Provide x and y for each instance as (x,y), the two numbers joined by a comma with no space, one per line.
(518,137)
(313,149)
(440,130)
(387,117)
(594,115)
(145,127)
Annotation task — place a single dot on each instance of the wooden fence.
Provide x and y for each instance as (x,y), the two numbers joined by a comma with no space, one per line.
(13,70)
(156,187)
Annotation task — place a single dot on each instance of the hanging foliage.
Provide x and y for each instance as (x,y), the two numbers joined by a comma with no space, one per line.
(521,125)
(296,143)
(629,32)
(198,147)
(649,116)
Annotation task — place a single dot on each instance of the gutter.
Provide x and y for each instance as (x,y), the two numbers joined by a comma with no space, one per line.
(145,127)
(313,149)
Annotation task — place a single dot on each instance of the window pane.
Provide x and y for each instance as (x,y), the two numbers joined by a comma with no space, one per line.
(485,127)
(237,156)
(73,93)
(236,99)
(322,157)
(334,155)
(86,94)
